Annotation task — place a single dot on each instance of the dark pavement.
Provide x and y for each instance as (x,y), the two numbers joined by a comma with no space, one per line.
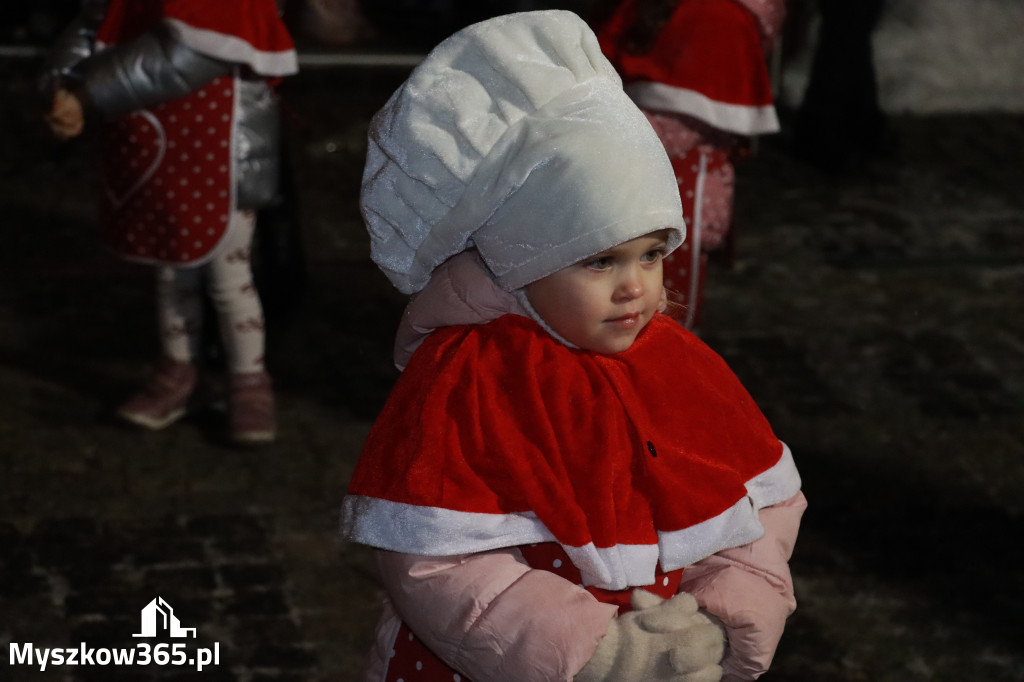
(877,318)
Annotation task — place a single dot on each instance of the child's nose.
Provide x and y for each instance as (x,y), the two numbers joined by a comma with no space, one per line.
(631,286)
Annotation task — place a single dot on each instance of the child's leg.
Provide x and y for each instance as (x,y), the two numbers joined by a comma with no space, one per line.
(164,399)
(231,288)
(179,312)
(240,314)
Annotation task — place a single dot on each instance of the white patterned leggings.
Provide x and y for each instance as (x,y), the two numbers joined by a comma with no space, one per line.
(229,284)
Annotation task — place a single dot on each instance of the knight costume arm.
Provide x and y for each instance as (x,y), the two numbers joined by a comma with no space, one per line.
(155,67)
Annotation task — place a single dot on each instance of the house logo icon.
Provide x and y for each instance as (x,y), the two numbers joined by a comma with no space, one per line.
(159,616)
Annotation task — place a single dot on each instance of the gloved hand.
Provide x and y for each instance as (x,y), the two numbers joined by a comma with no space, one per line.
(659,640)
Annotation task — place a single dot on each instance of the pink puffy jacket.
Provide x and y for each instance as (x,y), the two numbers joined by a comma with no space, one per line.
(496,619)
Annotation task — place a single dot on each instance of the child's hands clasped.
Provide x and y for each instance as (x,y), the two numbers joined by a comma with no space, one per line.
(67,117)
(660,640)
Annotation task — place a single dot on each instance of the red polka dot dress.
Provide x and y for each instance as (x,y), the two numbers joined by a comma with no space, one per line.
(168,178)
(168,171)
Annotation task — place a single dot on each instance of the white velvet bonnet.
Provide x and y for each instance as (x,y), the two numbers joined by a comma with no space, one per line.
(513,136)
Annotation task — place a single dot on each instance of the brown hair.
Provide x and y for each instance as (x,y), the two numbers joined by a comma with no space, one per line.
(644,22)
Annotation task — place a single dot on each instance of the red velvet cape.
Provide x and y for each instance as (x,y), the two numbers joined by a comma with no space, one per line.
(497,435)
(707,61)
(248,32)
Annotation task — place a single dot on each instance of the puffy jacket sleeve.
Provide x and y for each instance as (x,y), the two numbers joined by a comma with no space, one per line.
(750,590)
(76,43)
(492,617)
(155,67)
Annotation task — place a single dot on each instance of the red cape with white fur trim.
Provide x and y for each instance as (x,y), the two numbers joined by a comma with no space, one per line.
(707,61)
(247,32)
(497,435)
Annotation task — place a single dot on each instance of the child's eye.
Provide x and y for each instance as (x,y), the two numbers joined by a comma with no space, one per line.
(599,263)
(653,255)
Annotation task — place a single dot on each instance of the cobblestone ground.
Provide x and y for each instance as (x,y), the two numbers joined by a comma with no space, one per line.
(877,319)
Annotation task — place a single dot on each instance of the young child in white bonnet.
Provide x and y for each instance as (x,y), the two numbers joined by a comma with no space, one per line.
(564,484)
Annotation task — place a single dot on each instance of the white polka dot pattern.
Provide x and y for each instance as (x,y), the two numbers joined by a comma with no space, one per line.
(166,177)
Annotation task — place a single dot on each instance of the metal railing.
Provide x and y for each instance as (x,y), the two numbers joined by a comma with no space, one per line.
(307,59)
(21,51)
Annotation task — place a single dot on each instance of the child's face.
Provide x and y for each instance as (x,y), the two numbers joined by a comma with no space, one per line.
(600,304)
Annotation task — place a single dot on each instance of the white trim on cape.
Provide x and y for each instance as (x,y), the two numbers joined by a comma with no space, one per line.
(433,531)
(234,49)
(744,119)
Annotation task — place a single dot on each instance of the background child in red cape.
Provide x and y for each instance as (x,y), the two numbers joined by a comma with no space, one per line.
(180,91)
(540,460)
(698,69)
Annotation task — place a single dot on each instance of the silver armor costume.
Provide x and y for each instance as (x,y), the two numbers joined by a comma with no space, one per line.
(157,67)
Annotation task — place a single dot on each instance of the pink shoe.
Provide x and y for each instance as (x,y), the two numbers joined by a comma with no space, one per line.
(251,409)
(164,399)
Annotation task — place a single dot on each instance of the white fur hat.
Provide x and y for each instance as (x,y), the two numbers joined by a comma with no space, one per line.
(513,136)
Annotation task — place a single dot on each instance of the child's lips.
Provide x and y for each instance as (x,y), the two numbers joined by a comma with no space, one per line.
(627,321)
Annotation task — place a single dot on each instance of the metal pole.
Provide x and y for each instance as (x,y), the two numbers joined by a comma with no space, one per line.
(306,59)
(21,51)
(360,59)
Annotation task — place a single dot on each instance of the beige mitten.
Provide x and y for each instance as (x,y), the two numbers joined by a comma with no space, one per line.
(659,640)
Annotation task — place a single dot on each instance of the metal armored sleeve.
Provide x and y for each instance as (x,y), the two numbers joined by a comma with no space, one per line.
(150,69)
